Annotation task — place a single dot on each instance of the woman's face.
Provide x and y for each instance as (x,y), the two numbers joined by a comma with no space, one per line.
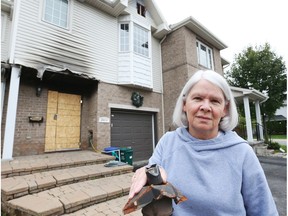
(205,105)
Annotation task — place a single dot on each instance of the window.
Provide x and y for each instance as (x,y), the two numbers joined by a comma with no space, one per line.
(124,37)
(56,12)
(140,41)
(141,9)
(205,55)
(141,45)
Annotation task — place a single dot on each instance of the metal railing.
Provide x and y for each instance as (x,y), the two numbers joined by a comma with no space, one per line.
(256,128)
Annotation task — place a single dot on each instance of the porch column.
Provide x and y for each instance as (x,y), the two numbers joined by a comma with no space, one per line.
(258,119)
(248,119)
(11,114)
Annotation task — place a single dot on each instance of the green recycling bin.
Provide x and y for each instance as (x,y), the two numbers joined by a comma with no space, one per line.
(126,155)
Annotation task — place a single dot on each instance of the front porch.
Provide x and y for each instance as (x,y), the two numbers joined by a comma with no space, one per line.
(244,96)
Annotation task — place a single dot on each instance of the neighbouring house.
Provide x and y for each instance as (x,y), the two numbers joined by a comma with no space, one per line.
(77,74)
(278,123)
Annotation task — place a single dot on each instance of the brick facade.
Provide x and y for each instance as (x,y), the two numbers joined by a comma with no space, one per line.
(179,61)
(114,94)
(30,137)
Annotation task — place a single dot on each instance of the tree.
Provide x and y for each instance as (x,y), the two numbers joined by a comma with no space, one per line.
(263,70)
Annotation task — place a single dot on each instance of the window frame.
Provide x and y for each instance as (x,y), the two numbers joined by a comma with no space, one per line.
(51,22)
(134,39)
(207,57)
(140,51)
(124,39)
(141,9)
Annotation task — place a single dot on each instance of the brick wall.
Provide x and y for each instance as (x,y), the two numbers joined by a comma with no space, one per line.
(29,137)
(108,93)
(179,60)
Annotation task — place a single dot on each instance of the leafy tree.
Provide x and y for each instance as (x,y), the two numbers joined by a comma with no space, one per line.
(263,70)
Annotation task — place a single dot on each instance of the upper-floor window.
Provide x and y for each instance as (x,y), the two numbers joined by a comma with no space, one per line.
(56,12)
(141,9)
(141,45)
(205,55)
(139,40)
(124,37)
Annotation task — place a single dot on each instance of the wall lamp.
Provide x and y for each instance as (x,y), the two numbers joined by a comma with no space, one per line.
(38,90)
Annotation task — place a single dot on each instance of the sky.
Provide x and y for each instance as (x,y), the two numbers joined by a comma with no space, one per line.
(238,24)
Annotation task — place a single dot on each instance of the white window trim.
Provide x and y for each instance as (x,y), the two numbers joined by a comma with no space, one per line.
(207,55)
(131,38)
(148,38)
(119,37)
(69,17)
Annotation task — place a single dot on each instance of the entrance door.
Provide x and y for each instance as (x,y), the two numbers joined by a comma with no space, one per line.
(62,121)
(133,129)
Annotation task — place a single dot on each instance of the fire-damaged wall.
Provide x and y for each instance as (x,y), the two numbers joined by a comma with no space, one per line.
(32,104)
(97,101)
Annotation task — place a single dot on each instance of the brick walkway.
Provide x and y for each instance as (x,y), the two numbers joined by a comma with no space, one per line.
(66,183)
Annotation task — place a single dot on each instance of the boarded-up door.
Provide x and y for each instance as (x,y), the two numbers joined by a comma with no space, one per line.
(63,121)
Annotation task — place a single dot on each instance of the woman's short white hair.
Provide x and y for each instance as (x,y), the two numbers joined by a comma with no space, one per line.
(228,122)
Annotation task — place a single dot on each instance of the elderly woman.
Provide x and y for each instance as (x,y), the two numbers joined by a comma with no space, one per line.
(209,163)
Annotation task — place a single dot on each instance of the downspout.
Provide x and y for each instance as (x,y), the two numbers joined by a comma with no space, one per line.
(162,95)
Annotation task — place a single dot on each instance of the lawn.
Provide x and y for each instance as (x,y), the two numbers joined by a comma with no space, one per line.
(278,136)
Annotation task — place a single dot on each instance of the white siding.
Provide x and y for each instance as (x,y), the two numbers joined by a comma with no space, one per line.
(156,65)
(135,70)
(89,47)
(142,71)
(124,68)
(132,9)
(5,35)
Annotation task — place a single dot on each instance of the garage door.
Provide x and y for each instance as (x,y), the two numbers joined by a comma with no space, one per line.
(135,129)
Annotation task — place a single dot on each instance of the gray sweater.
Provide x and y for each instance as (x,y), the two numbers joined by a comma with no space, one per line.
(221,176)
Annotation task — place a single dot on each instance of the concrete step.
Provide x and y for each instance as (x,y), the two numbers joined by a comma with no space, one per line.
(18,186)
(64,183)
(73,197)
(112,208)
(51,161)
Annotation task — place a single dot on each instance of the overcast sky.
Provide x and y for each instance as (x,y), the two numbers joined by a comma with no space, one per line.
(237,24)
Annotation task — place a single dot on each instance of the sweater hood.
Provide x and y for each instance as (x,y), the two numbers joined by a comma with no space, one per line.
(224,140)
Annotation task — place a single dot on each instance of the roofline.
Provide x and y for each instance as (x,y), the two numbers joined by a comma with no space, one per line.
(251,92)
(200,30)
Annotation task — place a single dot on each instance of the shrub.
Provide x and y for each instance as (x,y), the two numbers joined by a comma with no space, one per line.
(274,145)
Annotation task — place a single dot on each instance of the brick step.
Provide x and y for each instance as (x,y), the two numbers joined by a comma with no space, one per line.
(112,208)
(51,161)
(70,198)
(18,186)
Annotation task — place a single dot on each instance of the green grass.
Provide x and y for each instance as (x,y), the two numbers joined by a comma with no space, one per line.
(278,136)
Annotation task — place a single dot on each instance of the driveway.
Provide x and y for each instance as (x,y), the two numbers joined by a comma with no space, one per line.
(275,169)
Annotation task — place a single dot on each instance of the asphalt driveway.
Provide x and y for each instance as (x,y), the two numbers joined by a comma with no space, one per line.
(275,169)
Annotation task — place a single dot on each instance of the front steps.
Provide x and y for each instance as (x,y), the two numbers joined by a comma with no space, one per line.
(70,183)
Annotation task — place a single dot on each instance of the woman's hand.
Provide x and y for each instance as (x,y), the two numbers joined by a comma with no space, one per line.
(139,179)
